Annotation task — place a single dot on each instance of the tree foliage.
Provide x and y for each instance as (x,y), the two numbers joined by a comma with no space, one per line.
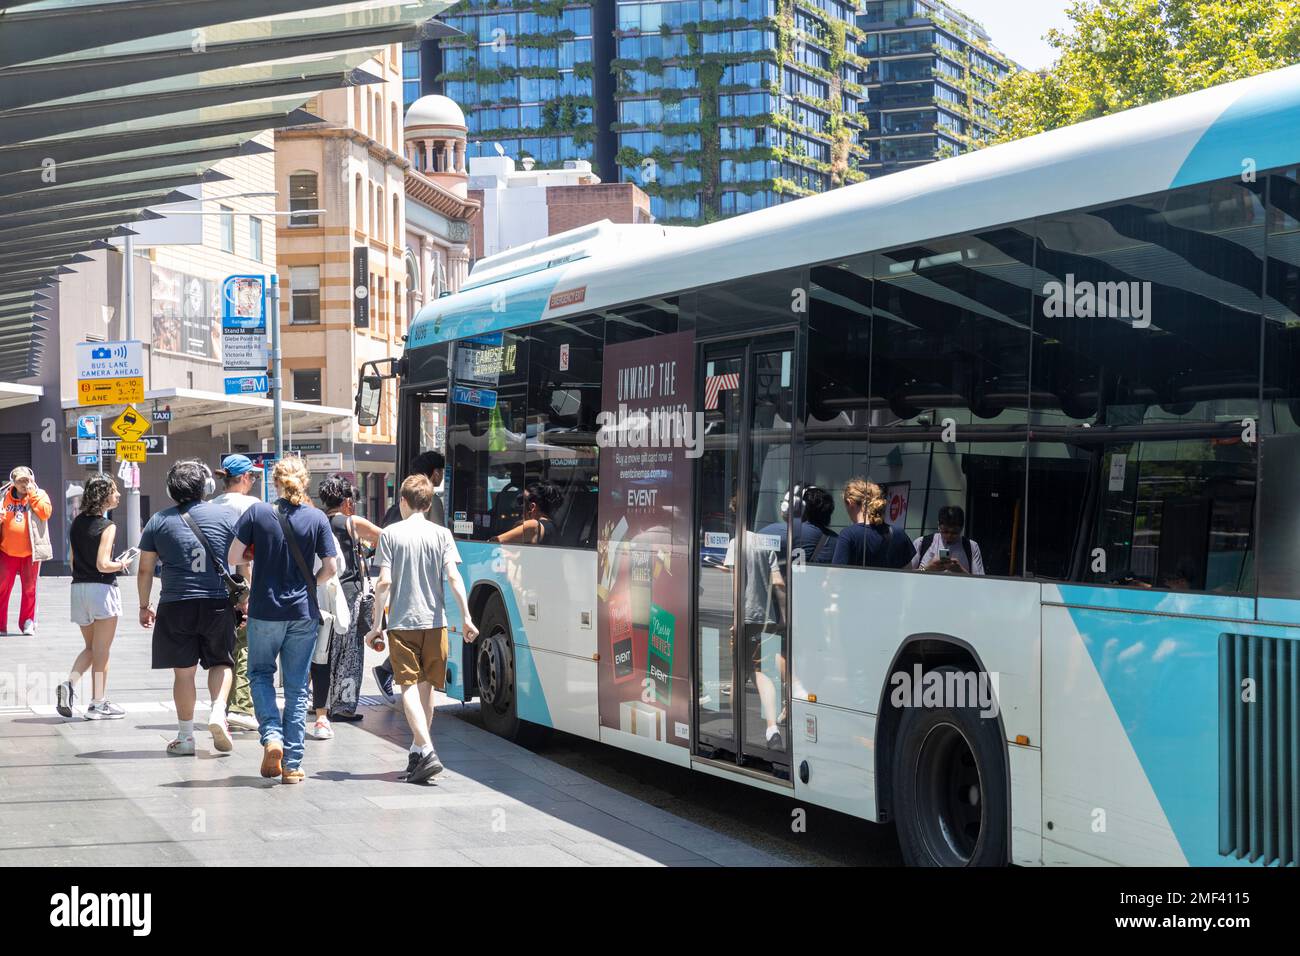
(1119,54)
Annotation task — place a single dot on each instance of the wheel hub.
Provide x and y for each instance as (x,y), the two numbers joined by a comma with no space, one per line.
(951,795)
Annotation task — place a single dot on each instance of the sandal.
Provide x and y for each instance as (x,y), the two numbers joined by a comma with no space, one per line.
(181,747)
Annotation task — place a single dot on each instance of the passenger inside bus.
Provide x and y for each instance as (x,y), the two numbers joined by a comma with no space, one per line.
(948,550)
(869,542)
(537,504)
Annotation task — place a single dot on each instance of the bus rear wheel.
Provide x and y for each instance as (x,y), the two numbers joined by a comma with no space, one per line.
(495,671)
(950,787)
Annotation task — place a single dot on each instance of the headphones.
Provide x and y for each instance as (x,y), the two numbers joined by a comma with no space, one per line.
(209,482)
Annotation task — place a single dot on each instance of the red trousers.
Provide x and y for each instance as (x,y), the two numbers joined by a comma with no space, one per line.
(26,570)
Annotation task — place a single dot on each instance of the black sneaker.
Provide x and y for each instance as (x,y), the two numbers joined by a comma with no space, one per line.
(384,679)
(67,697)
(426,767)
(411,760)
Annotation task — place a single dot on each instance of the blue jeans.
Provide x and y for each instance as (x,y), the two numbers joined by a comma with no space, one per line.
(292,642)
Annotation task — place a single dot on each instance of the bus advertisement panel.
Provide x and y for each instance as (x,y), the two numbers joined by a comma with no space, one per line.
(643,566)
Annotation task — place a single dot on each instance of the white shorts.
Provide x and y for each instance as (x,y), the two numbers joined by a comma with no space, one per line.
(94,602)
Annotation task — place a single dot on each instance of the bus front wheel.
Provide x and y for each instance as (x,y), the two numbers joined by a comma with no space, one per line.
(495,670)
(950,787)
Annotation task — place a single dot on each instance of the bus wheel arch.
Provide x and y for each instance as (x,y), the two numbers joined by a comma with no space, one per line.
(985,742)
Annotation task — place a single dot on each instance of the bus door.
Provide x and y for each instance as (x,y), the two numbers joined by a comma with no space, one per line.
(742,542)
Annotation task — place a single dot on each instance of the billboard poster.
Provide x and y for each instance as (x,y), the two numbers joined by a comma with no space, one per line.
(643,567)
(186,313)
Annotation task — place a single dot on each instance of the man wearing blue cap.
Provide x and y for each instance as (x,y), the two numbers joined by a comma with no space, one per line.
(239,474)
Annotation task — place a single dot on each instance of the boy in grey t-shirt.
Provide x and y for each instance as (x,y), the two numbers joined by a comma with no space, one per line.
(415,556)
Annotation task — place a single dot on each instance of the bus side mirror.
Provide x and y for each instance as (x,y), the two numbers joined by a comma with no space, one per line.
(369,393)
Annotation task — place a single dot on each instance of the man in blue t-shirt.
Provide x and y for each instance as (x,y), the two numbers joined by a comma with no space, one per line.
(282,613)
(194,623)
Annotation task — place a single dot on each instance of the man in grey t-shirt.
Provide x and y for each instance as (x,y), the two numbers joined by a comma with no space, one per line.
(415,556)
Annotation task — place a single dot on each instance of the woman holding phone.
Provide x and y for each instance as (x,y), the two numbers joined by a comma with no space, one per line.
(96,599)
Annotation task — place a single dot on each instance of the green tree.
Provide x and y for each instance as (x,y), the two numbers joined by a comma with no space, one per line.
(1119,54)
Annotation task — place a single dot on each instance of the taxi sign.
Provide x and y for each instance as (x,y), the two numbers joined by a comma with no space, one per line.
(131,451)
(130,425)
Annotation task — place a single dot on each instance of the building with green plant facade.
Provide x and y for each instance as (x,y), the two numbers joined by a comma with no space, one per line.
(932,74)
(726,106)
(525,75)
(713,107)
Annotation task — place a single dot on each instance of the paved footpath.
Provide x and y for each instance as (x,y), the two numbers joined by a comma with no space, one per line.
(102,793)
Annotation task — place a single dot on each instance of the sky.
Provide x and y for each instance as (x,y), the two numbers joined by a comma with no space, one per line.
(1017,26)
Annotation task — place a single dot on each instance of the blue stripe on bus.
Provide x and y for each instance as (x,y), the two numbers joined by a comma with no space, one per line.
(1261,128)
(489,308)
(478,561)
(1162,677)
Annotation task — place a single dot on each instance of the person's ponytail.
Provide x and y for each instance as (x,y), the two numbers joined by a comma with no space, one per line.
(291,477)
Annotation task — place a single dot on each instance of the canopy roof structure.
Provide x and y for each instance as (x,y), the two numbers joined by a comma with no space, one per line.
(108,107)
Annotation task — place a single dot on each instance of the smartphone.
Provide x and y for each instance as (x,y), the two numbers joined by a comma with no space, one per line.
(127,556)
(944,554)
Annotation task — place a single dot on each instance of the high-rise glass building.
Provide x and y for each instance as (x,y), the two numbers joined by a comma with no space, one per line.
(713,107)
(931,75)
(726,106)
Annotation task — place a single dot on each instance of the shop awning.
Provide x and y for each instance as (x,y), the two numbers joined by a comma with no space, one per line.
(194,408)
(109,106)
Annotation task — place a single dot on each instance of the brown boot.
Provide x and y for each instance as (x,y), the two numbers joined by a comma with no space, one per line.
(272,756)
(293,776)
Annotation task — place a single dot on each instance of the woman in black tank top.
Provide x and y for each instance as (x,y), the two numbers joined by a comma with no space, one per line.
(95,597)
(536,526)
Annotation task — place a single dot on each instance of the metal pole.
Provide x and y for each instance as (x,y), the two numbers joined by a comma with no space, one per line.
(128,305)
(277,385)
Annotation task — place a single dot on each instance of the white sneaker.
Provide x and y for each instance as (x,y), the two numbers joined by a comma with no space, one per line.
(220,736)
(241,722)
(181,747)
(321,731)
(29,628)
(104,710)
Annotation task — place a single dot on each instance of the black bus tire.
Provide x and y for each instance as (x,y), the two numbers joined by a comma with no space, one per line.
(494,662)
(950,787)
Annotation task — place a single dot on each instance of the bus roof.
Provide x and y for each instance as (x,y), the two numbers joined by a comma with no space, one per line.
(1224,131)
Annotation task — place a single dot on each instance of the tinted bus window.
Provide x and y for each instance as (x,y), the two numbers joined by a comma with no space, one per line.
(1147,330)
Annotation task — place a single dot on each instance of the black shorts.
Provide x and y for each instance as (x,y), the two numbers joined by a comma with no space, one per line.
(194,631)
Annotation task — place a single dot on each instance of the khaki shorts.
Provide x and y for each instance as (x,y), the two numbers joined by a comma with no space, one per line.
(419,655)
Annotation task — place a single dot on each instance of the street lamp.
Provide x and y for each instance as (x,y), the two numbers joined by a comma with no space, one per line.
(128,295)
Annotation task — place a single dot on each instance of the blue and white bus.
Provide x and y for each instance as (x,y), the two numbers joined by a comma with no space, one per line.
(1087,341)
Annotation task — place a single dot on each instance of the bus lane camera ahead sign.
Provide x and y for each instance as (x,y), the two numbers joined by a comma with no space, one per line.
(110,373)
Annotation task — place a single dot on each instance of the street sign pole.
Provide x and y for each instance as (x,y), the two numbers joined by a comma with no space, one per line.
(277,384)
(128,304)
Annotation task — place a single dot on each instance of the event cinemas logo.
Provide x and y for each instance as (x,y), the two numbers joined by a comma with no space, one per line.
(1100,300)
(76,909)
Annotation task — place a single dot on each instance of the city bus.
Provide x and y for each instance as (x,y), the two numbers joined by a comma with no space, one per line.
(1083,348)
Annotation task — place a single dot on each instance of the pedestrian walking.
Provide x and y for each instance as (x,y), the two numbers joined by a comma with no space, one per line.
(24,544)
(195,620)
(336,683)
(95,597)
(238,477)
(283,614)
(416,558)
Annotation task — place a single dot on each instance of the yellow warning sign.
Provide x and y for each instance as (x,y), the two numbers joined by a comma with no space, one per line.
(131,451)
(130,425)
(109,391)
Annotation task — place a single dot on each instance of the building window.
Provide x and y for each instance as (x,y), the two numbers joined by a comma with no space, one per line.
(303,195)
(306,386)
(255,239)
(305,284)
(227,229)
(397,220)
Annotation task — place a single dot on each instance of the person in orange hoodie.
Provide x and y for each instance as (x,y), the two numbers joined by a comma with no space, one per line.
(24,544)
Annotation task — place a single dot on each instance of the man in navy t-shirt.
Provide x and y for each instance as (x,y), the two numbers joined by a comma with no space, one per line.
(282,614)
(194,623)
